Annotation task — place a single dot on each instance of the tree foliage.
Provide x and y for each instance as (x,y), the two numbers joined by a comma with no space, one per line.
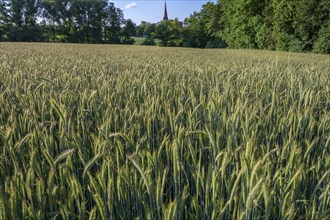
(80,21)
(128,30)
(275,24)
(4,18)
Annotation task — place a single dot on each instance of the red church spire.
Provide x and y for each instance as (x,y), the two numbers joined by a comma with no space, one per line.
(165,18)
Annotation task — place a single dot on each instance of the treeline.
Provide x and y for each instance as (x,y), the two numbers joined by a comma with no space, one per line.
(76,21)
(295,25)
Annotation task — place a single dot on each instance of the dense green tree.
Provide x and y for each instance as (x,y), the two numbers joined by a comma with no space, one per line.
(169,32)
(140,29)
(306,23)
(57,16)
(163,32)
(193,33)
(24,12)
(23,16)
(275,24)
(322,43)
(242,20)
(297,24)
(16,12)
(175,27)
(283,23)
(87,17)
(322,40)
(210,16)
(146,29)
(4,19)
(112,22)
(128,31)
(31,12)
(264,38)
(202,29)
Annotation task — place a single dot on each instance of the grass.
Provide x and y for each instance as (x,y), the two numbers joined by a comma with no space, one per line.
(133,132)
(138,40)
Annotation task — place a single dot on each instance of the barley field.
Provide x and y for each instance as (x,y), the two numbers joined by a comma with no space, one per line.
(133,132)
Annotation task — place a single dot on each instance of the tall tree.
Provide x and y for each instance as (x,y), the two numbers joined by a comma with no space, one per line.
(4,12)
(175,32)
(305,24)
(87,17)
(31,12)
(163,32)
(57,16)
(202,29)
(322,41)
(112,22)
(23,15)
(242,20)
(210,16)
(4,18)
(128,31)
(297,23)
(194,32)
(283,23)
(16,11)
(146,29)
(24,12)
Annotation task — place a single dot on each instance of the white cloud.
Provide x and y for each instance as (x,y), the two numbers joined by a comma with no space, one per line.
(132,5)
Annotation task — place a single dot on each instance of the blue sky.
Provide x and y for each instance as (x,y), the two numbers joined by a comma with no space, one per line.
(153,10)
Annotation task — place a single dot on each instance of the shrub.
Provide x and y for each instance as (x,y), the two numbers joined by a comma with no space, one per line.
(322,44)
(26,34)
(149,41)
(128,41)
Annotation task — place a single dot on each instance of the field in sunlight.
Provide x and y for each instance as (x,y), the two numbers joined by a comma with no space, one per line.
(133,132)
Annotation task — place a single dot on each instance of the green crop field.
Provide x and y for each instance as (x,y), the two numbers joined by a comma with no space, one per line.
(133,132)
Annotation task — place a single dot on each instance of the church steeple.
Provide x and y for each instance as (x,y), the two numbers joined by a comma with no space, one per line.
(165,18)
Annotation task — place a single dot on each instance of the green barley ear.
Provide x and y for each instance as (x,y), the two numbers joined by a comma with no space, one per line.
(62,156)
(90,163)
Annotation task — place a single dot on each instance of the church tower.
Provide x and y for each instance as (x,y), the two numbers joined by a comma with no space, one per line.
(165,18)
